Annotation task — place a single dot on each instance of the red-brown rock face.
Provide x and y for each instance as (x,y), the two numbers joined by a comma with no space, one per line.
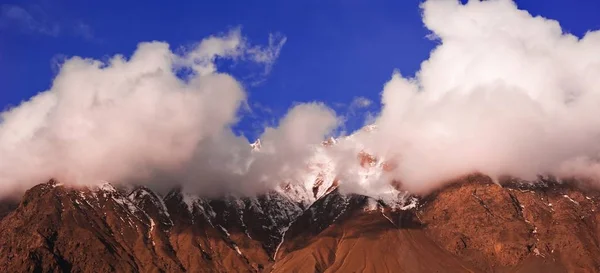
(472,225)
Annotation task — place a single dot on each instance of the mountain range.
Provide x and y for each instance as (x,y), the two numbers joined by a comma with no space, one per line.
(470,225)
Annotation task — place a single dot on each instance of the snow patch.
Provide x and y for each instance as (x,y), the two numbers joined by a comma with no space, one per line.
(107,187)
(137,195)
(411,204)
(285,229)
(237,249)
(386,217)
(125,203)
(225,231)
(150,232)
(163,208)
(190,201)
(570,199)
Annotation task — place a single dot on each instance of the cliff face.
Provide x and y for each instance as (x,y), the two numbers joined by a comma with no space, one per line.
(7,206)
(472,225)
(546,226)
(57,229)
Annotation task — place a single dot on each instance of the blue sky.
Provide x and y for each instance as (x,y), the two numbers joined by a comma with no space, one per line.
(335,50)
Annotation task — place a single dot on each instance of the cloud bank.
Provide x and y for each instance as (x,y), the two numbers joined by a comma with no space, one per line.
(503,93)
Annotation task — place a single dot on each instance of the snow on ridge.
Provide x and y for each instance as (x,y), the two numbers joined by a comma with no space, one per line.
(321,169)
(108,190)
(143,192)
(319,177)
(163,208)
(412,203)
(400,200)
(107,187)
(157,201)
(152,224)
(189,200)
(126,203)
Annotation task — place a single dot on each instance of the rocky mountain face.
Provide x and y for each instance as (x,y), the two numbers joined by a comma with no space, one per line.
(472,225)
(7,206)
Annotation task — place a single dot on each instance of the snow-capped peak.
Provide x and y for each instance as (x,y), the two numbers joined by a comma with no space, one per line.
(256,145)
(107,187)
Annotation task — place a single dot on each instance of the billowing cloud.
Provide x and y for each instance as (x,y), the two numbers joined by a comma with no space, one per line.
(131,118)
(504,93)
(226,164)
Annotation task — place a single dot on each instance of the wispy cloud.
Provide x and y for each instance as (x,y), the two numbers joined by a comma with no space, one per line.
(262,108)
(360,102)
(85,31)
(34,20)
(357,112)
(268,55)
(13,16)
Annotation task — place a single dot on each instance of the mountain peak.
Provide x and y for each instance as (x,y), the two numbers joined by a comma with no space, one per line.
(256,145)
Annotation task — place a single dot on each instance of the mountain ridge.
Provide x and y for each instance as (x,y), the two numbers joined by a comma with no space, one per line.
(472,224)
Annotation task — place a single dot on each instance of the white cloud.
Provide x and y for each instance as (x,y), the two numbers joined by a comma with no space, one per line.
(267,56)
(504,93)
(128,118)
(114,120)
(236,47)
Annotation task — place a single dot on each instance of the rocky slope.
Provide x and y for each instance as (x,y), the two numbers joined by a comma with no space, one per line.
(541,227)
(472,225)
(7,206)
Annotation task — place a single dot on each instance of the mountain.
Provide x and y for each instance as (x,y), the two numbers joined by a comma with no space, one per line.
(471,225)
